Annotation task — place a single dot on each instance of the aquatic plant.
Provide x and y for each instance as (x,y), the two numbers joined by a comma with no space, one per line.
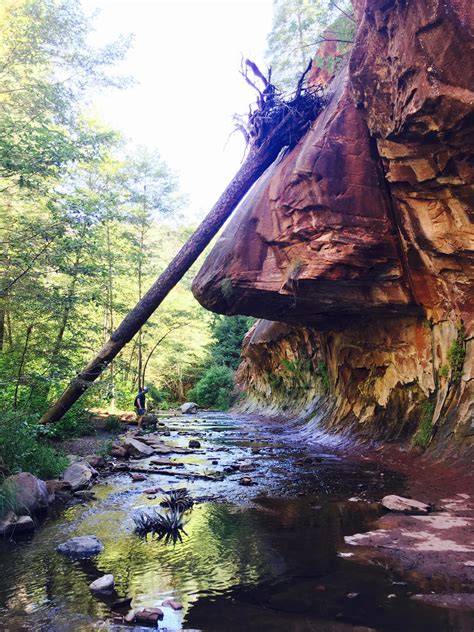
(165,526)
(177,500)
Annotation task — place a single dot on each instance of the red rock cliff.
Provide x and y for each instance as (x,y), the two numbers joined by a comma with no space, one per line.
(360,239)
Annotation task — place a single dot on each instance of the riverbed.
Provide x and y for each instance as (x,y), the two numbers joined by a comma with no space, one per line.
(269,556)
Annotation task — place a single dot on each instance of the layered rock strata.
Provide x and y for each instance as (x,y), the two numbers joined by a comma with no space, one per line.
(360,238)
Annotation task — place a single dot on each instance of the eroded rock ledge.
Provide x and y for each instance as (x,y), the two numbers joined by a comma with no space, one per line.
(361,241)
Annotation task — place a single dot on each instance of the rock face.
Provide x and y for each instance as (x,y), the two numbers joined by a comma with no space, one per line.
(29,494)
(359,241)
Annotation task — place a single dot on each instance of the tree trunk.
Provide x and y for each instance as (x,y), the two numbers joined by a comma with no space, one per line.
(22,364)
(257,161)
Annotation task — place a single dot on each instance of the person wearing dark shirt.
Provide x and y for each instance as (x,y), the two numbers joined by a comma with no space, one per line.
(139,405)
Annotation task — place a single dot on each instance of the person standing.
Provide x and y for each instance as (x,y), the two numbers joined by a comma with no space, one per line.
(139,405)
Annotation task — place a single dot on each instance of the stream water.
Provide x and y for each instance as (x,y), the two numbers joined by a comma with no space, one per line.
(266,557)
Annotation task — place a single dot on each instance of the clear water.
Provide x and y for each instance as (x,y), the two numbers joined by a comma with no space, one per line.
(260,558)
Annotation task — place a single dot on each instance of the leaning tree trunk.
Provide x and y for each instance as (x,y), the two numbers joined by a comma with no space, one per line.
(277,124)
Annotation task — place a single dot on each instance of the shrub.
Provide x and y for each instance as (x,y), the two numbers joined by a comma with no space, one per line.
(23,447)
(422,436)
(457,355)
(214,389)
(112,424)
(75,423)
(160,398)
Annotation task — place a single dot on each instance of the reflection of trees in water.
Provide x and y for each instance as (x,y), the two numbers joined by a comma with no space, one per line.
(224,547)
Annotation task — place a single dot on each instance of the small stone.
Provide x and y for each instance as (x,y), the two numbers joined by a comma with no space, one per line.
(118,451)
(173,604)
(404,505)
(392,596)
(194,443)
(189,408)
(320,588)
(352,595)
(137,477)
(96,461)
(149,616)
(246,467)
(246,481)
(105,583)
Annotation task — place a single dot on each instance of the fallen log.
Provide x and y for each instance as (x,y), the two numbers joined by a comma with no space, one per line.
(275,124)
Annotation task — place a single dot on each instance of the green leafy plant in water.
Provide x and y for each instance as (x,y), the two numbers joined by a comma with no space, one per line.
(423,435)
(457,355)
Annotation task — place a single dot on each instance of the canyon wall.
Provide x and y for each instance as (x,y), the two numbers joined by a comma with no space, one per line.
(359,242)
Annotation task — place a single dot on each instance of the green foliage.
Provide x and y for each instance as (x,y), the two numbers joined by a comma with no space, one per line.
(422,436)
(457,355)
(159,397)
(75,423)
(214,389)
(324,375)
(299,27)
(229,332)
(23,447)
(113,424)
(444,371)
(105,448)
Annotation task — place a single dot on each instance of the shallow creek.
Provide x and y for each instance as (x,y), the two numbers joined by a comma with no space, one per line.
(268,557)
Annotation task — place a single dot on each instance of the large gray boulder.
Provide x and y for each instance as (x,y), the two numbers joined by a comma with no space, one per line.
(28,494)
(79,475)
(81,547)
(137,448)
(189,408)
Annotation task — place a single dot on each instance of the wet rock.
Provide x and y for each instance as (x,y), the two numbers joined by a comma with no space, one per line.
(245,481)
(136,477)
(149,420)
(105,583)
(95,460)
(189,408)
(148,616)
(81,547)
(85,494)
(29,494)
(215,462)
(79,475)
(404,505)
(153,490)
(122,604)
(137,448)
(173,604)
(14,524)
(194,443)
(352,595)
(320,588)
(246,467)
(458,601)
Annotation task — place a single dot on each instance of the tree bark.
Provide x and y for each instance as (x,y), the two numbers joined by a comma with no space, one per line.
(258,160)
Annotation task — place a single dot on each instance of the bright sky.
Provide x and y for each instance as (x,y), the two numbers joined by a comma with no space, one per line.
(185,60)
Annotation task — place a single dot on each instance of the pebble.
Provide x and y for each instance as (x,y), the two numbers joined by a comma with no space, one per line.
(246,481)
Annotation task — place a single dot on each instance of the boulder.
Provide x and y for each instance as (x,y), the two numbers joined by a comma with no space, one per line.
(105,583)
(189,408)
(246,481)
(149,419)
(137,477)
(29,494)
(118,451)
(74,458)
(79,475)
(14,524)
(58,489)
(137,448)
(404,505)
(194,443)
(176,605)
(81,547)
(95,460)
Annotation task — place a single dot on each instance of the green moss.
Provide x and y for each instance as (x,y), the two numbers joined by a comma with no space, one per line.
(324,375)
(226,288)
(457,355)
(444,371)
(423,435)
